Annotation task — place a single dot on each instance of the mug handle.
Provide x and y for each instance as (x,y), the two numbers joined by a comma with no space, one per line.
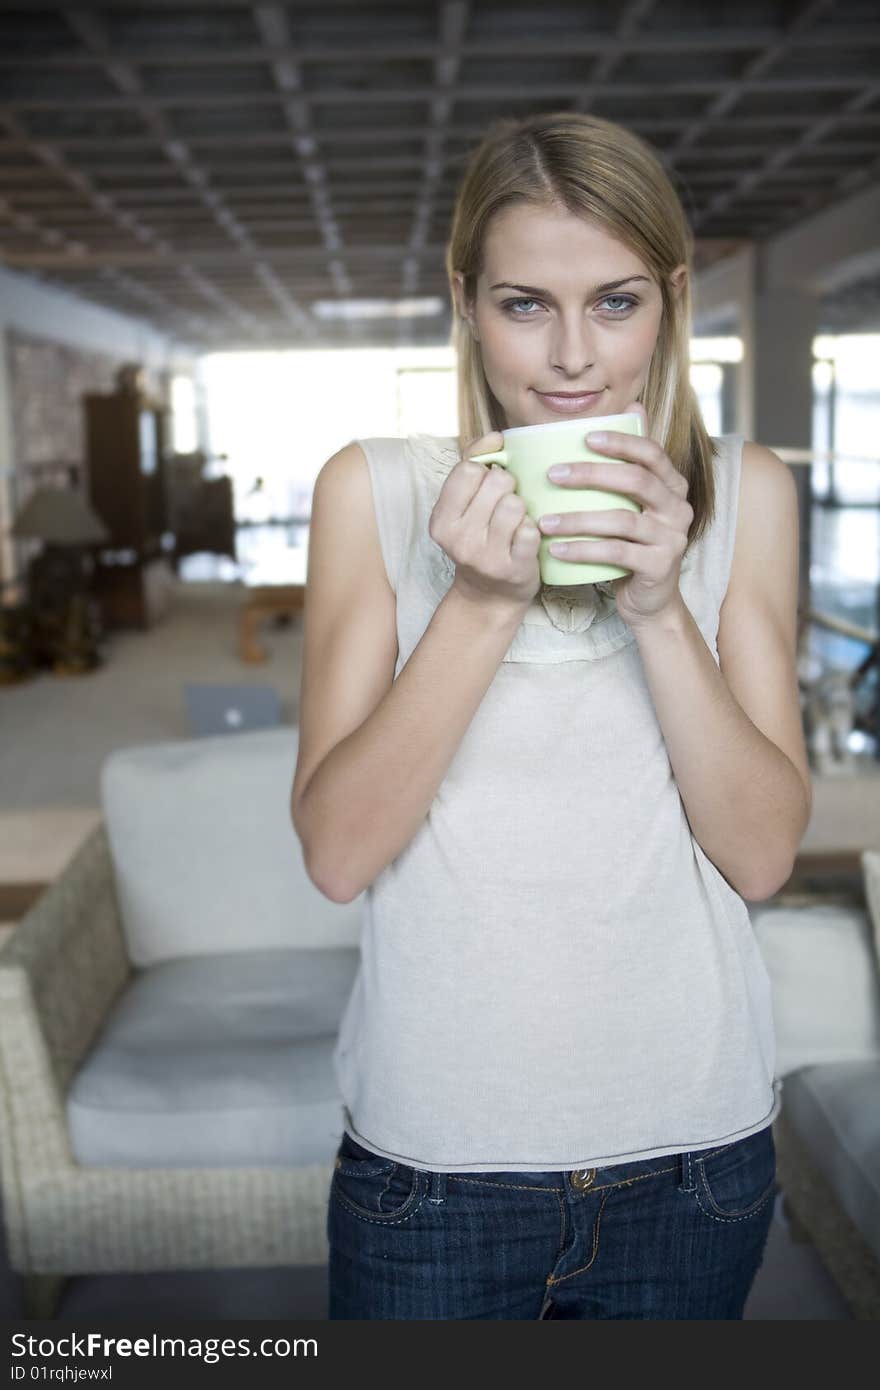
(500,456)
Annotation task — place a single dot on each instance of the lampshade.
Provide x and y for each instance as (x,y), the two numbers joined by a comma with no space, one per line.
(59,516)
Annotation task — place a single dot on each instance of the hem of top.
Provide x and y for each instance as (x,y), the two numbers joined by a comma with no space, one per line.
(601,1162)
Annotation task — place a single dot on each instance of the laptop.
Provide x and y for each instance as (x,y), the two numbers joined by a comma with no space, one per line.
(231,709)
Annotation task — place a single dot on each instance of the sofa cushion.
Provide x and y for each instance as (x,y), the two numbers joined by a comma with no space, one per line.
(871,877)
(824,983)
(205,854)
(835,1111)
(217,1061)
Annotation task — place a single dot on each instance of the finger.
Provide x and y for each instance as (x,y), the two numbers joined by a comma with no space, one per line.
(506,516)
(524,537)
(649,560)
(494,484)
(629,479)
(463,484)
(640,526)
(646,452)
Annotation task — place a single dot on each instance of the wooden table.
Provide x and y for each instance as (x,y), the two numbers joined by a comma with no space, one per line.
(272,590)
(35,847)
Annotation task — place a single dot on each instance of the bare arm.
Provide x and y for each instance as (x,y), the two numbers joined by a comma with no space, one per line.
(373,750)
(373,790)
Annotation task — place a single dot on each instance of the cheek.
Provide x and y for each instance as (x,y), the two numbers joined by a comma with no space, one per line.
(632,351)
(505,353)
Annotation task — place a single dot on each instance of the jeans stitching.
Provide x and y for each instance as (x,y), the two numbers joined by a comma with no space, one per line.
(625,1182)
(551,1280)
(519,1186)
(416,1195)
(746,1216)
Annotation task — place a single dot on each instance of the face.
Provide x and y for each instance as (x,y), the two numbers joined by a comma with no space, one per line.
(584,315)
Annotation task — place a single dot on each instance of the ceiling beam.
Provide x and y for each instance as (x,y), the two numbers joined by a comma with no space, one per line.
(484,94)
(359,135)
(386,46)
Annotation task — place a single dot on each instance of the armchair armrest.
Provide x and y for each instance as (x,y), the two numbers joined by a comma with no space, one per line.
(60,971)
(66,961)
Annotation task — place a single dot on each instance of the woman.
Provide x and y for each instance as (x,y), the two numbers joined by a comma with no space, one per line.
(557,1061)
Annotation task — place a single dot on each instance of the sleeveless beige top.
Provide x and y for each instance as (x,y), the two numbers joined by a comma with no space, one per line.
(553,974)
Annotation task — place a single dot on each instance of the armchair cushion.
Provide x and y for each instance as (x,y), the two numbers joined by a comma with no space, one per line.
(824,982)
(218,1061)
(204,850)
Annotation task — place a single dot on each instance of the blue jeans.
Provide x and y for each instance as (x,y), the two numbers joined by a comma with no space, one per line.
(680,1236)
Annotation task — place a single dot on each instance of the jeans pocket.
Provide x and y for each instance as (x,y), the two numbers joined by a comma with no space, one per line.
(736,1181)
(371,1186)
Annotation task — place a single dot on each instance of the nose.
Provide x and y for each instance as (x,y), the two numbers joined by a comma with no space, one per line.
(572,348)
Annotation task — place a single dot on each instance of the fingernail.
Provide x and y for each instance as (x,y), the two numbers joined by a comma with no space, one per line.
(597,437)
(559,470)
(549,521)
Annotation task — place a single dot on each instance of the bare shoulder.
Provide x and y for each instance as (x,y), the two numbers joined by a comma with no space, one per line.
(767,512)
(764,475)
(348,465)
(343,510)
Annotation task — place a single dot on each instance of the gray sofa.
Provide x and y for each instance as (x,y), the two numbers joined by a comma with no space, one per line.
(169,1007)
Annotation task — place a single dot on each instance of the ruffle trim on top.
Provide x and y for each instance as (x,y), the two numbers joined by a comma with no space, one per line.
(587,612)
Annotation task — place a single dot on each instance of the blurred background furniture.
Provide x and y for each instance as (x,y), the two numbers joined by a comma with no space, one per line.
(230,709)
(168,1010)
(200,508)
(822,960)
(272,593)
(126,446)
(59,623)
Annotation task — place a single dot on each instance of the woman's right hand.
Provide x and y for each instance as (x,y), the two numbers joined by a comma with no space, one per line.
(482,524)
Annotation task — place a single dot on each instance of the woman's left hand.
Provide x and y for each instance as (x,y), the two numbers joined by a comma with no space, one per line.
(650,543)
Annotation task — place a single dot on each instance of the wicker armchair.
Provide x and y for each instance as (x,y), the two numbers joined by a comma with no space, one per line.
(63,972)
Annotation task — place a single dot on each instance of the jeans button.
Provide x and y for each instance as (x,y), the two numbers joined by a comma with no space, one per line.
(582,1178)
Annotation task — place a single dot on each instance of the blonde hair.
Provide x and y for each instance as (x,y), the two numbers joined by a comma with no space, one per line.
(597,169)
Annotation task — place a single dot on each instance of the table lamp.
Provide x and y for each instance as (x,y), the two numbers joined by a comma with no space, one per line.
(65,522)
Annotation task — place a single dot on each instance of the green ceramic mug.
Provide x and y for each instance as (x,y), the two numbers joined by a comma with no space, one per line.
(529,451)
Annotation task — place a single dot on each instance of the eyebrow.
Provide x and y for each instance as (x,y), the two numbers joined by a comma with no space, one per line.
(545,294)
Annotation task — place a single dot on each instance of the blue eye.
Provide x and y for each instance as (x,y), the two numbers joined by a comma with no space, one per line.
(623,299)
(511,304)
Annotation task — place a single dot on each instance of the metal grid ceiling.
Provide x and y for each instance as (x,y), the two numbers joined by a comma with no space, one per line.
(218,166)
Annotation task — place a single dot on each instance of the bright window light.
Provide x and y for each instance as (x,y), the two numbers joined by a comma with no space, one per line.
(856,356)
(280,415)
(377,308)
(716,349)
(185,427)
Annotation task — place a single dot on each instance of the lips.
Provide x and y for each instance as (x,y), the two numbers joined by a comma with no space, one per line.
(567,404)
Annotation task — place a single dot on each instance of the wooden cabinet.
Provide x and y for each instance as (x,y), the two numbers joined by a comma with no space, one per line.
(125,450)
(126,466)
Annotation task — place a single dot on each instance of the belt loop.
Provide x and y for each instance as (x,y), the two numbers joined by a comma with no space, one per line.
(438,1188)
(688,1180)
